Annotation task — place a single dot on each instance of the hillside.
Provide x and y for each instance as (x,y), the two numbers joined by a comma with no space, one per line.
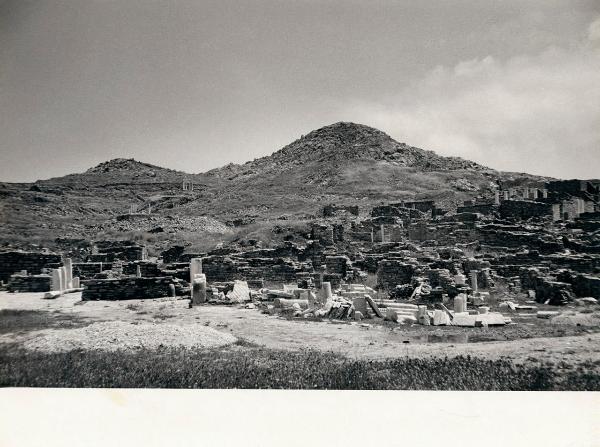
(343,163)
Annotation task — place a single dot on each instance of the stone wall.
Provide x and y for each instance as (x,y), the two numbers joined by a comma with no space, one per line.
(126,288)
(482,208)
(147,268)
(338,264)
(15,261)
(333,210)
(515,239)
(391,273)
(586,285)
(87,270)
(29,283)
(228,268)
(545,287)
(108,251)
(524,209)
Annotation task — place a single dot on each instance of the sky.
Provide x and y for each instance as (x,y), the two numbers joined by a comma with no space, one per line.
(193,85)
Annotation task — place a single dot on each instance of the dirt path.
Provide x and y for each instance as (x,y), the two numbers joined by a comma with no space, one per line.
(351,339)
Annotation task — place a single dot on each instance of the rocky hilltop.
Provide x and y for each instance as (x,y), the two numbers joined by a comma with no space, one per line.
(344,142)
(343,164)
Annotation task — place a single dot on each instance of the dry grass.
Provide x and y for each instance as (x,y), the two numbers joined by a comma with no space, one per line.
(243,366)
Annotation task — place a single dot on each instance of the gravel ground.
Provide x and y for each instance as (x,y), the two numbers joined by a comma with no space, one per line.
(114,335)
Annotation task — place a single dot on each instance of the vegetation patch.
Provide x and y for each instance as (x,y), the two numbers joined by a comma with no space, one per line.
(248,367)
(22,321)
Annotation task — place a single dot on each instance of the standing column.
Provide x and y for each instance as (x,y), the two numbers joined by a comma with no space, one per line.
(69,270)
(138,271)
(195,268)
(199,289)
(506,196)
(382,234)
(56,280)
(497,197)
(63,278)
(326,291)
(526,193)
(473,275)
(535,193)
(545,193)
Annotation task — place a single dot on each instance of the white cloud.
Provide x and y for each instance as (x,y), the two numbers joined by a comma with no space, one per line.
(594,30)
(534,113)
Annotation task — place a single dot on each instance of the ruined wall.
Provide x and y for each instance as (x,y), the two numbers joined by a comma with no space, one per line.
(482,208)
(87,270)
(147,268)
(126,288)
(224,268)
(15,261)
(516,239)
(392,272)
(586,285)
(524,209)
(546,288)
(333,210)
(29,283)
(108,251)
(338,264)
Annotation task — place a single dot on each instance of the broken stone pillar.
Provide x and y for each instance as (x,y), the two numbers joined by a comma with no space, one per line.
(545,193)
(326,294)
(506,196)
(372,236)
(497,197)
(69,272)
(56,280)
(580,206)
(195,268)
(483,310)
(172,290)
(75,282)
(440,318)
(473,276)
(423,316)
(535,193)
(138,271)
(511,192)
(460,303)
(526,193)
(199,289)
(382,234)
(63,278)
(460,279)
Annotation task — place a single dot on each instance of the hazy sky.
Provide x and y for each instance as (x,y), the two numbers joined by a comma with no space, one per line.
(193,85)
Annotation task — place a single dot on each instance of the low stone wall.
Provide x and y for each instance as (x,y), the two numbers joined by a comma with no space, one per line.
(147,268)
(524,209)
(109,251)
(391,273)
(546,288)
(586,285)
(29,283)
(87,270)
(225,268)
(14,261)
(126,288)
(338,264)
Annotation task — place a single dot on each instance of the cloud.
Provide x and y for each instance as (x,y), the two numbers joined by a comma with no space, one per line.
(594,30)
(531,113)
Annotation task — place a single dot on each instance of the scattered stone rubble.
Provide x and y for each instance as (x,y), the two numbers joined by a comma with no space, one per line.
(407,262)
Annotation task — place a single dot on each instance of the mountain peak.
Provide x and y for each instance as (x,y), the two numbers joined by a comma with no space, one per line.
(121,164)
